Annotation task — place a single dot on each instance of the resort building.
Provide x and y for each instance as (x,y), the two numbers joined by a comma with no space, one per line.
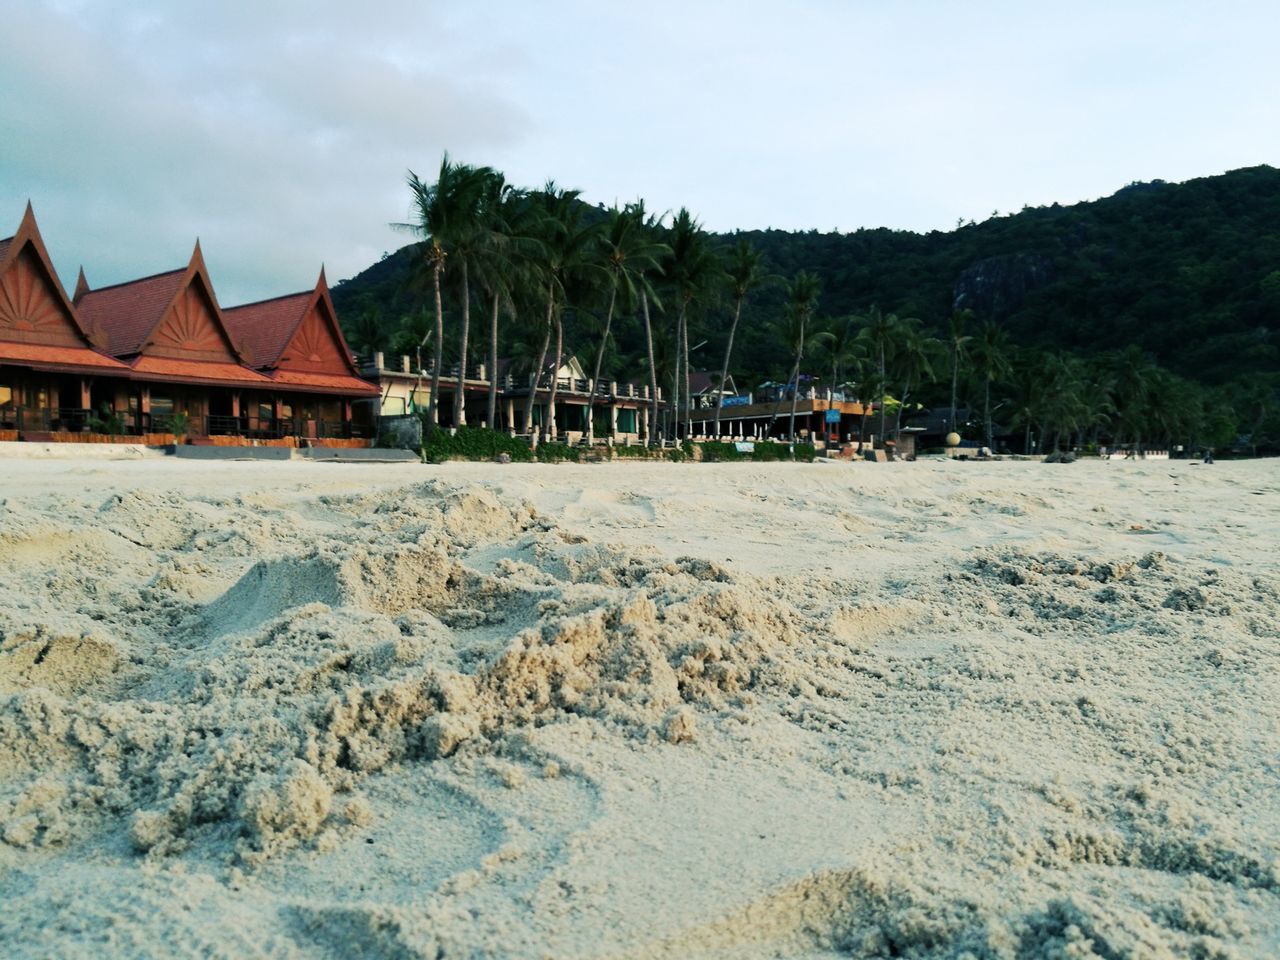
(158,356)
(823,417)
(619,407)
(52,364)
(617,416)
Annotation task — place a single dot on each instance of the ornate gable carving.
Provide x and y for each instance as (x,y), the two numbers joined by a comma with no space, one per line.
(313,347)
(190,330)
(30,309)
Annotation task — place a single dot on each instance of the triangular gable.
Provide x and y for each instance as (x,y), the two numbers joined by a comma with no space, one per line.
(191,328)
(570,368)
(173,315)
(318,344)
(33,305)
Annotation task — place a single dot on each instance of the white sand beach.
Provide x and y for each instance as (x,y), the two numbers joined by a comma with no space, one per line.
(929,709)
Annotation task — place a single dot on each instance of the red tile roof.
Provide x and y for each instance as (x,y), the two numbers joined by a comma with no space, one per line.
(264,329)
(197,371)
(127,312)
(328,382)
(4,248)
(60,359)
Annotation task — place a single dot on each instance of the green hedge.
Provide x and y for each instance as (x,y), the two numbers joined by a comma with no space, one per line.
(714,451)
(473,443)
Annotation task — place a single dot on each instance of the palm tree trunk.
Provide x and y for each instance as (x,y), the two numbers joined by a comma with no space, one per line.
(688,392)
(433,411)
(492,419)
(883,393)
(795,396)
(724,371)
(986,417)
(653,372)
(1026,439)
(675,379)
(555,381)
(955,386)
(460,398)
(595,375)
(537,376)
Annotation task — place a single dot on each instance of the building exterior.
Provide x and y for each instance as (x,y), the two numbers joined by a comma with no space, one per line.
(821,416)
(158,356)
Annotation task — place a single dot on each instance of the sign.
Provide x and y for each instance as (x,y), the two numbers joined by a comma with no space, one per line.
(833,416)
(735,401)
(744,446)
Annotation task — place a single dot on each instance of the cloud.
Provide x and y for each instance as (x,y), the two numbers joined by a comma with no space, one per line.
(280,133)
(279,144)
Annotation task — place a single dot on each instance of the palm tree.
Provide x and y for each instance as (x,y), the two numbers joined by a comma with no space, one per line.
(912,362)
(990,353)
(365,333)
(745,273)
(444,212)
(802,299)
(693,272)
(841,343)
(959,344)
(564,259)
(629,254)
(472,236)
(878,331)
(1134,374)
(503,263)
(651,225)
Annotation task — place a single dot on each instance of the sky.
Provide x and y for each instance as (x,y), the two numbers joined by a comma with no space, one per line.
(280,132)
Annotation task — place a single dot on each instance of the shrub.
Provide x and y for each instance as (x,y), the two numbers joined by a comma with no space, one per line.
(555,453)
(473,443)
(764,452)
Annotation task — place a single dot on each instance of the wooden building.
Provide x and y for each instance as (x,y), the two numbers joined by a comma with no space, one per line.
(53,369)
(158,355)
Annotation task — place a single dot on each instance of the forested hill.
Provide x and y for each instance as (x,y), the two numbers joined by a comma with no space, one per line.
(1189,272)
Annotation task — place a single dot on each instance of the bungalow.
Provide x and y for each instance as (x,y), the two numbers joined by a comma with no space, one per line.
(158,355)
(619,406)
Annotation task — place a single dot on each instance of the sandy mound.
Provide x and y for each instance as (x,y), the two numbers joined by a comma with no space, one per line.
(939,718)
(247,713)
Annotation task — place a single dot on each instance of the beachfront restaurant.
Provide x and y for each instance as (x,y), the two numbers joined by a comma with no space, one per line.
(157,356)
(823,416)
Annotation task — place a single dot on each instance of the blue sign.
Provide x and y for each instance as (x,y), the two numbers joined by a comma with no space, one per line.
(735,401)
(833,416)
(745,446)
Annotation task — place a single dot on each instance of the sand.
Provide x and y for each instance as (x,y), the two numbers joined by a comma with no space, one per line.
(639,710)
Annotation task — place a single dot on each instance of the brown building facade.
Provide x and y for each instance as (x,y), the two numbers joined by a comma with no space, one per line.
(159,356)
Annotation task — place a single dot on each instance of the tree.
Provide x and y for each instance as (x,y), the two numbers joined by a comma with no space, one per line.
(566,242)
(629,253)
(990,354)
(912,361)
(802,300)
(744,273)
(878,331)
(958,342)
(694,273)
(445,212)
(504,263)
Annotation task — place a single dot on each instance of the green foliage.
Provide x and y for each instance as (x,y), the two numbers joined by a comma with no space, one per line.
(717,452)
(631,453)
(551,452)
(107,421)
(1188,274)
(473,443)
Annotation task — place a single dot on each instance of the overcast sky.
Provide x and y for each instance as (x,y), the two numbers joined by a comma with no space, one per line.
(279,132)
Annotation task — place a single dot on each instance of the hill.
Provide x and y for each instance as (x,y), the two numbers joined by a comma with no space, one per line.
(1188,272)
